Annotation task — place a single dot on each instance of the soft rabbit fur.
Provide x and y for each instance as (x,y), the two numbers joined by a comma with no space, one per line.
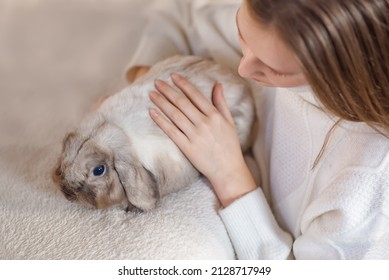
(118,156)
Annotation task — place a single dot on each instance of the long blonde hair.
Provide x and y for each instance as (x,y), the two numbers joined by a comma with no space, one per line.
(343,46)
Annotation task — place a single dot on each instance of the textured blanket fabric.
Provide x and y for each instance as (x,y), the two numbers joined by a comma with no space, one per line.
(56,59)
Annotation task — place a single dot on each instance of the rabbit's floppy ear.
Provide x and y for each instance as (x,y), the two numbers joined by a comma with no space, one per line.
(138,182)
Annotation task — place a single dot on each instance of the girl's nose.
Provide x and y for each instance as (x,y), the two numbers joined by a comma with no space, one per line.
(249,65)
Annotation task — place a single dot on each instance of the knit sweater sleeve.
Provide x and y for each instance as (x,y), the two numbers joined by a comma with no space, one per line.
(253,230)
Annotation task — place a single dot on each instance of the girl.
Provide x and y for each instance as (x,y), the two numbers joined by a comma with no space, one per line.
(322,147)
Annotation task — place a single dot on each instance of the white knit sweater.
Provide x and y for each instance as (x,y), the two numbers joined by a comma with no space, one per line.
(337,210)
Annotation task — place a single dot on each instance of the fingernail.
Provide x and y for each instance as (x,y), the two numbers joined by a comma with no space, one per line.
(153,113)
(176,76)
(158,83)
(216,85)
(153,95)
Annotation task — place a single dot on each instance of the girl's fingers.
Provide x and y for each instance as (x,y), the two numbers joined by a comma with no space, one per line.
(180,121)
(195,96)
(170,129)
(180,101)
(220,103)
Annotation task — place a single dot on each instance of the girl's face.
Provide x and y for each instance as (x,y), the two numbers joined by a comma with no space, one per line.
(266,59)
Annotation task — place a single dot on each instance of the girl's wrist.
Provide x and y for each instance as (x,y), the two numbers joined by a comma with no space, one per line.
(233,186)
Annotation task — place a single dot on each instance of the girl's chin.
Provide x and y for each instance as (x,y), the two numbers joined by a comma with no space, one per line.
(263,83)
(284,85)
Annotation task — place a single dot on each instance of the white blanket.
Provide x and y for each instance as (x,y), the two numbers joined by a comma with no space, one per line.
(56,59)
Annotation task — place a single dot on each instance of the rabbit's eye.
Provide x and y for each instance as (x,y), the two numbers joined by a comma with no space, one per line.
(99,170)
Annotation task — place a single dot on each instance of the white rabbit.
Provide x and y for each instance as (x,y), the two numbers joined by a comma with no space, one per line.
(119,156)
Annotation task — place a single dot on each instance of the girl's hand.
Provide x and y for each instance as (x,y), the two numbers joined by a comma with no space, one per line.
(205,133)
